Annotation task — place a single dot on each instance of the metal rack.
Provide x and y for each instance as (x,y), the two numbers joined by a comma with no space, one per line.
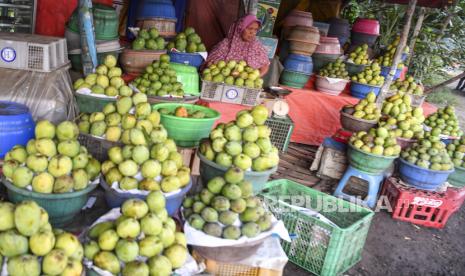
(17,16)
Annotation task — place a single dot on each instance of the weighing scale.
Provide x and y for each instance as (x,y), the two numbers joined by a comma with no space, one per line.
(279,107)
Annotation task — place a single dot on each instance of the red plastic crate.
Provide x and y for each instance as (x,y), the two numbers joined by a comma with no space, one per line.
(342,136)
(426,208)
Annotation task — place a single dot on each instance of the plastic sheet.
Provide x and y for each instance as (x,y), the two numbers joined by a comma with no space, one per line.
(49,96)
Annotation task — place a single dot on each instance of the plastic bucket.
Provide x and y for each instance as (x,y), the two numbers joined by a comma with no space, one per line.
(323,85)
(352,124)
(360,90)
(422,178)
(320,60)
(192,59)
(16,126)
(368,162)
(293,79)
(328,45)
(366,26)
(385,72)
(457,178)
(61,208)
(105,22)
(188,76)
(156,8)
(339,28)
(209,169)
(115,199)
(299,63)
(187,132)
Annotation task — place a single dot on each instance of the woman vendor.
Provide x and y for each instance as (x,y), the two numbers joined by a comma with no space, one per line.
(242,44)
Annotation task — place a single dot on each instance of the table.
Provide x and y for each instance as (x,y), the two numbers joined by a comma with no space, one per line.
(315,114)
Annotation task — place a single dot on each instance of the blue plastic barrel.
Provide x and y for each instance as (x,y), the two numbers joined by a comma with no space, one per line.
(149,9)
(16,126)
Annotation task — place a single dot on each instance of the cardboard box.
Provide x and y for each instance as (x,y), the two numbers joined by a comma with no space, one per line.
(267,11)
(270,44)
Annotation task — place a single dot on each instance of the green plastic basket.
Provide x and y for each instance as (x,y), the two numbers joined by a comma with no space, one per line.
(457,178)
(61,208)
(209,169)
(188,76)
(105,22)
(281,131)
(187,132)
(320,247)
(89,104)
(368,162)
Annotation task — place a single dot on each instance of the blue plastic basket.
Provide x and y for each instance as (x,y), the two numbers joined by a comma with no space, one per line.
(385,72)
(360,90)
(156,9)
(191,59)
(422,178)
(299,63)
(115,200)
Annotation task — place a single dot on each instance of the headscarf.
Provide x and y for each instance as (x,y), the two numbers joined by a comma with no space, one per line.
(233,47)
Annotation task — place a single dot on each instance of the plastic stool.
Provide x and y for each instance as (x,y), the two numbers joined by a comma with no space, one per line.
(374,183)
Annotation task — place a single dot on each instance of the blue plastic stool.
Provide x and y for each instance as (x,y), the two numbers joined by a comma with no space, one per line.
(374,183)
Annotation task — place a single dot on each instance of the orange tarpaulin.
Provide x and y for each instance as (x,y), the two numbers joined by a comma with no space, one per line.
(315,114)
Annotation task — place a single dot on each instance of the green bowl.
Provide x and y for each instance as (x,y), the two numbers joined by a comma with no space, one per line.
(457,178)
(187,132)
(61,208)
(368,162)
(293,79)
(90,104)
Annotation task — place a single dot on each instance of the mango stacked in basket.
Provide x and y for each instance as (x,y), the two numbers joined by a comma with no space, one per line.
(387,59)
(233,73)
(401,118)
(365,109)
(148,39)
(377,141)
(226,208)
(429,154)
(336,69)
(32,246)
(370,75)
(359,55)
(141,240)
(444,121)
(408,86)
(244,143)
(53,162)
(106,80)
(159,79)
(188,41)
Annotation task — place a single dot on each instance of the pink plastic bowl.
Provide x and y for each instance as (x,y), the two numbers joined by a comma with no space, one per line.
(366,26)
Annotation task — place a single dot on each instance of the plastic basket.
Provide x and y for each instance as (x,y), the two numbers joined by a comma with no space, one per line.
(33,52)
(360,90)
(320,248)
(115,199)
(187,132)
(422,178)
(60,207)
(191,59)
(293,79)
(368,162)
(209,169)
(221,92)
(188,76)
(90,104)
(96,146)
(426,208)
(281,131)
(457,178)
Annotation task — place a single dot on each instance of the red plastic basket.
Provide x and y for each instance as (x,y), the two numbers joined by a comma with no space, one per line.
(426,208)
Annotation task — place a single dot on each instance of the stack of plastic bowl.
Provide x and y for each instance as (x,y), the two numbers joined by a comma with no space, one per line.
(106,32)
(339,28)
(297,70)
(303,40)
(365,31)
(160,14)
(296,18)
(327,51)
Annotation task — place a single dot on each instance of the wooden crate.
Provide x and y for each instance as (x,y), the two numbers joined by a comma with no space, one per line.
(191,159)
(231,269)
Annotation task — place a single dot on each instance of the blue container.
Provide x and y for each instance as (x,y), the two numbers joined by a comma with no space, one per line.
(385,72)
(422,178)
(16,126)
(299,63)
(115,200)
(148,9)
(360,90)
(191,59)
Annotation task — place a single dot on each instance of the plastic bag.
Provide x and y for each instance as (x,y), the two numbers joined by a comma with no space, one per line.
(49,96)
